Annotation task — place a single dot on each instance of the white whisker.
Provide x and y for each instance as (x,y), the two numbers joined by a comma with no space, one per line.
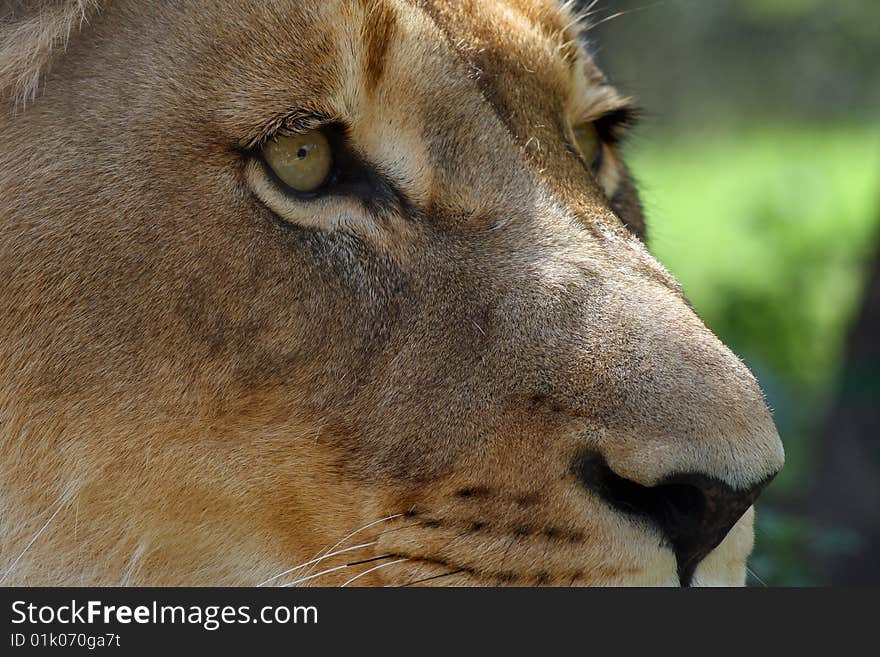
(348,536)
(755,575)
(310,577)
(618,14)
(64,501)
(316,560)
(374,568)
(608,18)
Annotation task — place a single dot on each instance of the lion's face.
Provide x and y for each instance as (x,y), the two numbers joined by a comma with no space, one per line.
(453,363)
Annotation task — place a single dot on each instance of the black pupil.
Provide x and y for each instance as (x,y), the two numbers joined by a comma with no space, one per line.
(302,153)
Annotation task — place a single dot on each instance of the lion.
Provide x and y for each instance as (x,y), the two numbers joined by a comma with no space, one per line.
(347,292)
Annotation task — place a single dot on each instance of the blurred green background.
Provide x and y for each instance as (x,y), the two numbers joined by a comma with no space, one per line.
(759,164)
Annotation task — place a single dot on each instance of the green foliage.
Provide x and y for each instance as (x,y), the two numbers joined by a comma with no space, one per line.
(763,198)
(698,63)
(781,557)
(768,228)
(772,10)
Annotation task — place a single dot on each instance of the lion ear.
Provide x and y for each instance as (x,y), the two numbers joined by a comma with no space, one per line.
(32,34)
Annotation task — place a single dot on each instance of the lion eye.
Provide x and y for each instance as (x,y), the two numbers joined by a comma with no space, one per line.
(587,138)
(303,161)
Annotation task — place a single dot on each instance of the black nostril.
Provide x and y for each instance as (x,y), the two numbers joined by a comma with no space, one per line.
(694,511)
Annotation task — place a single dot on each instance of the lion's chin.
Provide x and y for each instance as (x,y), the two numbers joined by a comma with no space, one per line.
(726,564)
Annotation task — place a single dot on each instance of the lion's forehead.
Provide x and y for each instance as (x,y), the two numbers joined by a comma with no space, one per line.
(522,64)
(438,93)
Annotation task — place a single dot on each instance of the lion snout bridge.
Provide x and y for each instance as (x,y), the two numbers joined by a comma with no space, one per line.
(677,430)
(664,394)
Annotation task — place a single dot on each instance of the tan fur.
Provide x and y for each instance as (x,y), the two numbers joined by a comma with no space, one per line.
(206,381)
(34,34)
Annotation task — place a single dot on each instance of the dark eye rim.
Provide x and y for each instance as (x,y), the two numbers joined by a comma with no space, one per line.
(611,128)
(351,175)
(334,133)
(599,160)
(299,194)
(594,166)
(614,126)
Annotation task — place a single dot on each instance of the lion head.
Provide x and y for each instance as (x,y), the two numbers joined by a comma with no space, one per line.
(349,291)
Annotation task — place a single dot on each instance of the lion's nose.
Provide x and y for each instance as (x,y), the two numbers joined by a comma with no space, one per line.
(694,511)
